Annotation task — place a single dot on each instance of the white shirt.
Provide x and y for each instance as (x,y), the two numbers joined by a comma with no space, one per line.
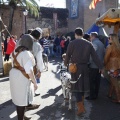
(37,52)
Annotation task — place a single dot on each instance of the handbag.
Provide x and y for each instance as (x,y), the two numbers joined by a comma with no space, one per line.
(72,68)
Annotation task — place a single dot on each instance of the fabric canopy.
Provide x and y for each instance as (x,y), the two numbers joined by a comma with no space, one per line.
(99,30)
(110,18)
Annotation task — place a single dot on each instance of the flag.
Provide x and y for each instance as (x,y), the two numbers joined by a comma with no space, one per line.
(93,4)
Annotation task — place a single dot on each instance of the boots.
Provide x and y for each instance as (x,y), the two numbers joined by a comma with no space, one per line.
(26,118)
(32,107)
(81,108)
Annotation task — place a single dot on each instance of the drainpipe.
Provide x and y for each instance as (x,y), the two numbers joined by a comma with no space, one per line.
(117,1)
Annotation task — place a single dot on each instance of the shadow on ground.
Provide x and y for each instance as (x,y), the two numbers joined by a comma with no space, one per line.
(51,92)
(56,111)
(10,110)
(103,108)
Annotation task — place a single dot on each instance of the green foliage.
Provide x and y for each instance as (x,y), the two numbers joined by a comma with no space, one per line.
(33,8)
(30,5)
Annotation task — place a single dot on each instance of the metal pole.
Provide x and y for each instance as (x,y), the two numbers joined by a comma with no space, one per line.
(25,13)
(25,25)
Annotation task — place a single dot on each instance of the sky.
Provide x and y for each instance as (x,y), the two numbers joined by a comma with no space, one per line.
(52,3)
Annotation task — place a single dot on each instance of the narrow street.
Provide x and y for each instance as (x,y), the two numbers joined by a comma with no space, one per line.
(51,99)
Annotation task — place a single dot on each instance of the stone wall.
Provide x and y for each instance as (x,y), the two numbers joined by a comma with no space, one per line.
(75,22)
(91,15)
(19,21)
(86,16)
(45,23)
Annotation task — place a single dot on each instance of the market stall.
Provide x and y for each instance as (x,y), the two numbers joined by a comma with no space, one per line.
(100,30)
(110,18)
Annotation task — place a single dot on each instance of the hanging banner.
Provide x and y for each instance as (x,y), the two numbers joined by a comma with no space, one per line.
(55,20)
(74,9)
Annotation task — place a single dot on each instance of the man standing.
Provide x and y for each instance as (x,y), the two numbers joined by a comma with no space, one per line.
(95,74)
(37,52)
(57,44)
(78,52)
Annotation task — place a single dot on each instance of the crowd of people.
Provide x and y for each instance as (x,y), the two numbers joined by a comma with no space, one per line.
(91,59)
(55,47)
(87,53)
(52,46)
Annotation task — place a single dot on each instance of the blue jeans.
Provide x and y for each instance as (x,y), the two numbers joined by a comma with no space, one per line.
(51,51)
(47,51)
(58,50)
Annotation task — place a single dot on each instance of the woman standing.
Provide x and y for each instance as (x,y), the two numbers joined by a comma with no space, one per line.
(10,47)
(22,76)
(62,44)
(5,48)
(112,64)
(37,52)
(67,41)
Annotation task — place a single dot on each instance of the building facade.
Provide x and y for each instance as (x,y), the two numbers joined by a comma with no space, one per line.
(76,14)
(81,16)
(45,21)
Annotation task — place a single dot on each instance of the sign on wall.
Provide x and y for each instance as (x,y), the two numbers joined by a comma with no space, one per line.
(74,9)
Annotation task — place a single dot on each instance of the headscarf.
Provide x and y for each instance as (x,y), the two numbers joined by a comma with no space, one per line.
(25,41)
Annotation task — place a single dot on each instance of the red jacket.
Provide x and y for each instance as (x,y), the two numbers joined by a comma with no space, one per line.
(10,46)
(62,43)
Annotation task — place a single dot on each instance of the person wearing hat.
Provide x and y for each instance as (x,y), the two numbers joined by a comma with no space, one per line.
(37,52)
(21,76)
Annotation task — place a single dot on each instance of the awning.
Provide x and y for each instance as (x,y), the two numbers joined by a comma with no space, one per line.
(100,30)
(110,18)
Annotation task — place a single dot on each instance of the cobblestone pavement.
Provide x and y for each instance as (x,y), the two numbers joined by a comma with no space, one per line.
(51,99)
